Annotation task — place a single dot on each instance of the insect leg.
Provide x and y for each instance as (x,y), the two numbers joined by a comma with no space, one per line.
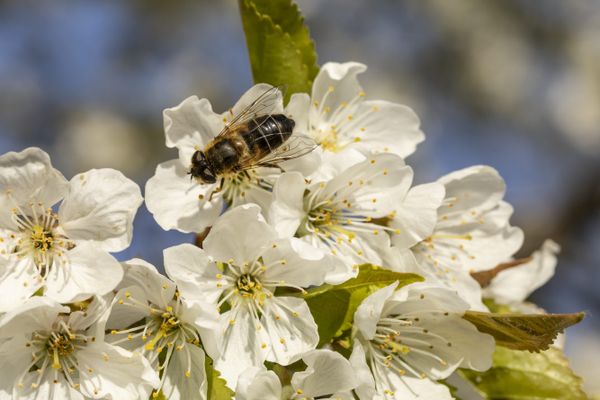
(217,190)
(269,165)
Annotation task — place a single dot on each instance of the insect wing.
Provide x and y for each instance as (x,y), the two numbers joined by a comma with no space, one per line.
(296,146)
(264,104)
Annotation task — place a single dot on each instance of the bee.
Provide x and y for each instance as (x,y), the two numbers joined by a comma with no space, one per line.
(256,137)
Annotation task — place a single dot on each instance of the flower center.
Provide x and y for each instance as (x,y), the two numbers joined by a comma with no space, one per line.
(328,139)
(162,332)
(248,285)
(397,336)
(338,127)
(38,236)
(41,239)
(236,186)
(56,350)
(59,345)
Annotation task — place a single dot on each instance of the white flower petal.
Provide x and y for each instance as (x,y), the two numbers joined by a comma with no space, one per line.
(240,235)
(409,388)
(334,164)
(107,370)
(241,344)
(297,109)
(158,289)
(382,126)
(190,126)
(27,176)
(90,271)
(125,315)
(416,214)
(291,329)
(19,279)
(15,357)
(287,210)
(93,318)
(423,296)
(52,387)
(205,318)
(178,202)
(369,312)
(258,384)
(340,267)
(100,208)
(336,83)
(36,313)
(186,377)
(365,384)
(379,180)
(295,261)
(453,338)
(474,188)
(327,372)
(194,274)
(514,285)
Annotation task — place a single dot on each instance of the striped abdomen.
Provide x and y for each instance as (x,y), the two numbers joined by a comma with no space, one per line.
(266,133)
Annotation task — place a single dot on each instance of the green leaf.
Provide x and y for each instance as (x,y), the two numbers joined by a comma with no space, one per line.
(533,332)
(519,375)
(217,389)
(333,307)
(279,45)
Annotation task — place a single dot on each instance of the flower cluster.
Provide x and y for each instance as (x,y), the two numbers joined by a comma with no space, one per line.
(75,323)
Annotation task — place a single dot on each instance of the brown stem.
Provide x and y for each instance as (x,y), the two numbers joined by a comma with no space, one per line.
(201,236)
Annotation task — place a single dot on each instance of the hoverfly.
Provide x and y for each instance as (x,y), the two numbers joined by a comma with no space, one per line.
(256,137)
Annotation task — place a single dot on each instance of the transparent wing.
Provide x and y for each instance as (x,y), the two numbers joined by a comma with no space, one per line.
(296,146)
(262,105)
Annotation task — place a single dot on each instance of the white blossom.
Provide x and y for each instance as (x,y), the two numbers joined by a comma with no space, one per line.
(338,115)
(48,350)
(328,375)
(61,248)
(408,339)
(242,264)
(512,286)
(149,316)
(472,233)
(357,212)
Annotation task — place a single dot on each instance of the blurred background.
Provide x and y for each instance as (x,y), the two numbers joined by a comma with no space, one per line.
(514,84)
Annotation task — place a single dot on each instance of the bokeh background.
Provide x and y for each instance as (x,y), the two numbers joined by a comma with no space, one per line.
(514,84)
